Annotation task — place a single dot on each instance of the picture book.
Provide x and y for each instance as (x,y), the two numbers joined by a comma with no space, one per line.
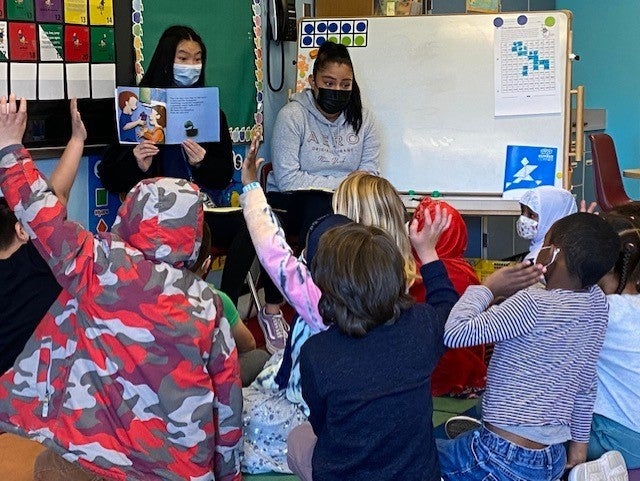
(528,167)
(167,115)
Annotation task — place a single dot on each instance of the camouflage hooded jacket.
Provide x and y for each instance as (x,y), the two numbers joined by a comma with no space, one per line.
(133,372)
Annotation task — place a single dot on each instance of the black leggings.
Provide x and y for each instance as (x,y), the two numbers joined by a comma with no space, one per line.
(229,232)
(301,208)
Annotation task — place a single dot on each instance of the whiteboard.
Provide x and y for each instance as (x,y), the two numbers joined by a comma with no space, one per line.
(435,83)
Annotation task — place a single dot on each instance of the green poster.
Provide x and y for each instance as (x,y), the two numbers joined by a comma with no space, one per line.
(51,42)
(4,40)
(20,10)
(232,32)
(102,45)
(486,6)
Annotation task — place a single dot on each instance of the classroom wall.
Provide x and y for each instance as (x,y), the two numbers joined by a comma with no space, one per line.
(274,101)
(606,38)
(460,6)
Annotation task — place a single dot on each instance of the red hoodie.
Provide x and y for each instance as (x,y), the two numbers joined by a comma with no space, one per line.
(133,372)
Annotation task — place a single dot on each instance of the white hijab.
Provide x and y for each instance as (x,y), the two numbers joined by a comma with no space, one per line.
(550,203)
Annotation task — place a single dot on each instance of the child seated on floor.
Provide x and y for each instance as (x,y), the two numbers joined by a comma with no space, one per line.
(541,383)
(616,418)
(460,372)
(251,360)
(27,286)
(273,405)
(540,208)
(132,373)
(366,379)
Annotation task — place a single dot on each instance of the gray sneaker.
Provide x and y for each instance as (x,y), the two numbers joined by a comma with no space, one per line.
(457,425)
(608,467)
(275,330)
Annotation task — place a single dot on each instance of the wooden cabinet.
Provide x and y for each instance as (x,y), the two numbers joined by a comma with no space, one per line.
(344,8)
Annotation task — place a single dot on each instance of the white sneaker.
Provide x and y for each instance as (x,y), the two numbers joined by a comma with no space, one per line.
(274,330)
(457,425)
(608,467)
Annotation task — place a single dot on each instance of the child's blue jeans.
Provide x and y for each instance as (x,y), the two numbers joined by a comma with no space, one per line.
(481,455)
(607,435)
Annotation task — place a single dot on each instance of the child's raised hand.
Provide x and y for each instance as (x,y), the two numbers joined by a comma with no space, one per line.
(78,130)
(591,209)
(509,280)
(13,120)
(252,162)
(424,240)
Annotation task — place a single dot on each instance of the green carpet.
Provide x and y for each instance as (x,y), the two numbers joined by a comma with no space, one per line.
(446,407)
(270,477)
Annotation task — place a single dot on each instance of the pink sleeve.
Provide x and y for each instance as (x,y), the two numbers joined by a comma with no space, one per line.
(276,256)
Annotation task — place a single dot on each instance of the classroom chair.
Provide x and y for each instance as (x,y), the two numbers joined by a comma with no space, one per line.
(610,192)
(292,239)
(217,253)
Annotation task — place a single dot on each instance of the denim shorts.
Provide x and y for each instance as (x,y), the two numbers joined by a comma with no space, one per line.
(482,455)
(607,435)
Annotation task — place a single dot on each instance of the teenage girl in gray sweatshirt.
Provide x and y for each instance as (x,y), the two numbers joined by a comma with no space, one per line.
(319,138)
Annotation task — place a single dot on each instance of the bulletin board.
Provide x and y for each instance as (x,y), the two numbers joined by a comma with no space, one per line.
(232,33)
(457,91)
(52,50)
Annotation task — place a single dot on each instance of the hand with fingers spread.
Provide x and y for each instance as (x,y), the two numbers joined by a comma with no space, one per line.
(251,162)
(509,280)
(144,153)
(591,209)
(78,130)
(194,151)
(424,240)
(13,120)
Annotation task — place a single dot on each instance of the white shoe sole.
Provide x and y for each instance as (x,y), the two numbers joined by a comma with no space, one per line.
(458,425)
(609,467)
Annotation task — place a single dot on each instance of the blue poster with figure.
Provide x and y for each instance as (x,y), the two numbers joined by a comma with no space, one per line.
(103,205)
(528,167)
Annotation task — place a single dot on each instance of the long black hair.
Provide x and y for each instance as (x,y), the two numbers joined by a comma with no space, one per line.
(330,52)
(7,224)
(627,266)
(160,70)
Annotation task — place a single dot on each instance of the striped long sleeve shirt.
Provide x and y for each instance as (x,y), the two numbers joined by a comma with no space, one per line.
(543,369)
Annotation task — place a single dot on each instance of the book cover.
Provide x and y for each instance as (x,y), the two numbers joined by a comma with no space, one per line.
(167,116)
(528,167)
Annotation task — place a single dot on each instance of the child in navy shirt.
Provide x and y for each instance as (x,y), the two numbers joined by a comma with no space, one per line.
(367,378)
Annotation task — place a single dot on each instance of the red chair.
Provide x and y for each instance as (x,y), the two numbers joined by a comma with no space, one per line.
(610,192)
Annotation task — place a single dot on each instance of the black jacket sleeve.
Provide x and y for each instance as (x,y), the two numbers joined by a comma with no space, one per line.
(216,169)
(119,171)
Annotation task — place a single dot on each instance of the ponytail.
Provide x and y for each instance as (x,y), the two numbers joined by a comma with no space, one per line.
(623,266)
(627,267)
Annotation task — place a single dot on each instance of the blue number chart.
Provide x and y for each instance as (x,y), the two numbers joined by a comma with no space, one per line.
(351,33)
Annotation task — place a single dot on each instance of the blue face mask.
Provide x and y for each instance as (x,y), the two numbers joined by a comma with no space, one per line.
(186,75)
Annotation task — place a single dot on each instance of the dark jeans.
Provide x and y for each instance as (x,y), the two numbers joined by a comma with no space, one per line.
(229,232)
(301,210)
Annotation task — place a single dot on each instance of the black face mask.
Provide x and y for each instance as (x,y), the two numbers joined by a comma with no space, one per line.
(333,101)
